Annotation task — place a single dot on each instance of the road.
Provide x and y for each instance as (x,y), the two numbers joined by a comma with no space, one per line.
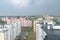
(23,35)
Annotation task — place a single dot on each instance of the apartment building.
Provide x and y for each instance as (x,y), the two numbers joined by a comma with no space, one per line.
(40,33)
(23,21)
(34,25)
(47,17)
(3,33)
(10,31)
(35,22)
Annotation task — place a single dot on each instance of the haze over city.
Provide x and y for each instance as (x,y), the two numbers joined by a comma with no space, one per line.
(29,7)
(29,19)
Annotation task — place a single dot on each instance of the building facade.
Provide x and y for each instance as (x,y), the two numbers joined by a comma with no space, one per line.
(40,33)
(10,31)
(23,21)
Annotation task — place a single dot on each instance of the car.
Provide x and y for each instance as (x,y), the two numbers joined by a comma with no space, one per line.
(27,34)
(24,38)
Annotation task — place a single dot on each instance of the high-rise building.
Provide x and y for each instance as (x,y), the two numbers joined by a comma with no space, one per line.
(10,31)
(40,33)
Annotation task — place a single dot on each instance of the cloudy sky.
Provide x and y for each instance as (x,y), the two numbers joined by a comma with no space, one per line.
(29,7)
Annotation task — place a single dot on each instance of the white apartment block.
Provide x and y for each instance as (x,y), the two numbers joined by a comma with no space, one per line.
(10,31)
(40,33)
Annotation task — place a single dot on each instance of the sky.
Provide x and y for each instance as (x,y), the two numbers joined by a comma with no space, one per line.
(29,7)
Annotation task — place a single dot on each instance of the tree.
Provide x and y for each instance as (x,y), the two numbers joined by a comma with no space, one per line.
(2,22)
(18,16)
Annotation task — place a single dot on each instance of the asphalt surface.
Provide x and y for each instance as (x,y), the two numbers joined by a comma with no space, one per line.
(24,33)
(53,34)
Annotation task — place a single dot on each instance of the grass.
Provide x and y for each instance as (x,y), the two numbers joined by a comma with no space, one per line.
(32,35)
(57,22)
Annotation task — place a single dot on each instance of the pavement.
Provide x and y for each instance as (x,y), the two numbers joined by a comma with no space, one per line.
(52,34)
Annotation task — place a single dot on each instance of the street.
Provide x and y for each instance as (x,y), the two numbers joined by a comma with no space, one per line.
(24,33)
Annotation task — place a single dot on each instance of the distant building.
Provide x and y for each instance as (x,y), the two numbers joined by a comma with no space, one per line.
(23,21)
(3,19)
(47,17)
(40,19)
(50,23)
(58,19)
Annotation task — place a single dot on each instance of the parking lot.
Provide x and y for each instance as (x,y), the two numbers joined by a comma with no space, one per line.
(53,34)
